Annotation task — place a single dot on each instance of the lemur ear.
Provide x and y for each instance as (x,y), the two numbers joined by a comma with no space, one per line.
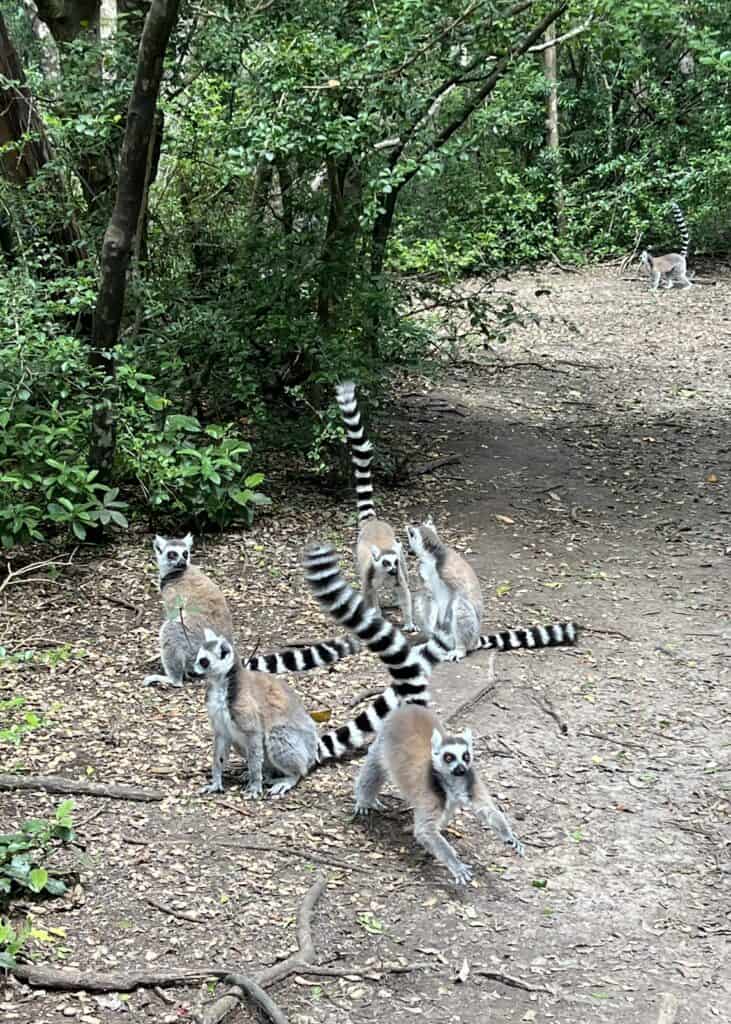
(188,540)
(429,522)
(375,552)
(467,737)
(436,742)
(397,547)
(209,636)
(158,543)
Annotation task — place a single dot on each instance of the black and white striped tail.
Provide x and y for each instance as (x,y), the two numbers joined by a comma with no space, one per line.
(682,228)
(559,634)
(360,450)
(410,667)
(302,659)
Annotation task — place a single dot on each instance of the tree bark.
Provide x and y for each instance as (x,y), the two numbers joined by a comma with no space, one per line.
(550,66)
(119,236)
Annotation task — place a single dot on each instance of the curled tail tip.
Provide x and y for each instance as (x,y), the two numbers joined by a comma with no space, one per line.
(345,390)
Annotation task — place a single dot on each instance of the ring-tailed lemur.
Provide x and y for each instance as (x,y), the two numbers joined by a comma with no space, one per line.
(379,556)
(673,267)
(259,715)
(192,601)
(435,775)
(452,602)
(410,667)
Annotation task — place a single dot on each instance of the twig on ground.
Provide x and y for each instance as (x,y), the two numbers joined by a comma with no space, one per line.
(472,702)
(181,915)
(519,366)
(365,695)
(57,784)
(163,996)
(428,467)
(607,632)
(513,982)
(576,518)
(545,704)
(119,601)
(17,575)
(616,740)
(669,1006)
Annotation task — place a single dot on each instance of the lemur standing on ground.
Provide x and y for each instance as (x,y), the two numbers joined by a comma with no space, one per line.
(452,602)
(379,556)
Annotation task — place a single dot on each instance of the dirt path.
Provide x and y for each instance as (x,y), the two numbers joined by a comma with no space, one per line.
(593,484)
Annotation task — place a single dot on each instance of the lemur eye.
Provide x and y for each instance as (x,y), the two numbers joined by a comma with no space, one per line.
(224,650)
(203,662)
(466,758)
(171,556)
(185,556)
(448,758)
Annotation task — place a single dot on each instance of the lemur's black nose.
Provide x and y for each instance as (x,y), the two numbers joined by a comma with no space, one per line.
(460,770)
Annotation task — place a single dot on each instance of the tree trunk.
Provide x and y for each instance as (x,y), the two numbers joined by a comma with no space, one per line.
(25,150)
(119,236)
(550,64)
(345,189)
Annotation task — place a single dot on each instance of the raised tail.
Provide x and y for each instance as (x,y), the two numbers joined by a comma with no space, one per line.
(360,450)
(559,634)
(410,668)
(302,659)
(682,229)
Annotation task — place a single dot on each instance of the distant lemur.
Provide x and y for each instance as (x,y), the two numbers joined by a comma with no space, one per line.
(452,602)
(379,557)
(192,602)
(673,267)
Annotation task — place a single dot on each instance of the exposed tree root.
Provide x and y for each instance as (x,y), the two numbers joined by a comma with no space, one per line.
(71,980)
(278,972)
(57,784)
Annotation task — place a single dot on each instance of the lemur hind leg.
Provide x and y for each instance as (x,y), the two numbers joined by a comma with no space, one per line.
(427,834)
(370,780)
(464,627)
(291,752)
(405,602)
(173,646)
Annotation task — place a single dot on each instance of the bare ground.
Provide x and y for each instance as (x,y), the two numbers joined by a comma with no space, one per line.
(593,483)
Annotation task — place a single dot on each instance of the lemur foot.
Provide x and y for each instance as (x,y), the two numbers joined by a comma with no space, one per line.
(156,680)
(456,655)
(515,844)
(212,787)
(410,627)
(462,873)
(254,791)
(282,786)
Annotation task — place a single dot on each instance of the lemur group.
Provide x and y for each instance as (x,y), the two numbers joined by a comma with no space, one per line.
(252,709)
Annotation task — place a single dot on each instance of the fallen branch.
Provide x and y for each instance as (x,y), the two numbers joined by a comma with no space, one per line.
(512,981)
(429,467)
(468,705)
(519,366)
(71,980)
(57,784)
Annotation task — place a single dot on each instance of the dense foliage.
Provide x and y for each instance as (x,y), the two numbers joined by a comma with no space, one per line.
(316,168)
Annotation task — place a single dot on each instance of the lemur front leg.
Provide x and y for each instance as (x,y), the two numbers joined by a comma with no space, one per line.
(221,748)
(489,815)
